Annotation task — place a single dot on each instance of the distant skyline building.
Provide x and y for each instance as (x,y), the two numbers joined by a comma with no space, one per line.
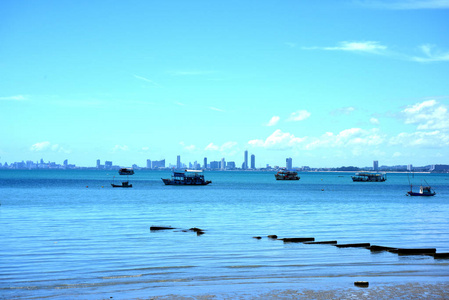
(223,164)
(215,165)
(178,162)
(98,163)
(410,167)
(289,163)
(245,161)
(230,165)
(205,163)
(149,163)
(253,161)
(376,165)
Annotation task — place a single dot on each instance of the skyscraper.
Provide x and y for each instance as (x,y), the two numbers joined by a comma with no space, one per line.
(375,165)
(148,163)
(98,164)
(178,162)
(253,161)
(289,163)
(223,164)
(245,163)
(205,163)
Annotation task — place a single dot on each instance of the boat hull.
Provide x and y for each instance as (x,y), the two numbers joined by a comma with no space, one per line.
(182,182)
(121,186)
(420,195)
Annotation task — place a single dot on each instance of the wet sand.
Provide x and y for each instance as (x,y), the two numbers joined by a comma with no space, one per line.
(379,291)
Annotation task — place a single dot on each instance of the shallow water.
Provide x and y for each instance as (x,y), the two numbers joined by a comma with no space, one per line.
(69,234)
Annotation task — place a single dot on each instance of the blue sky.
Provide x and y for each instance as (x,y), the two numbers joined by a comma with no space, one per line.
(328,83)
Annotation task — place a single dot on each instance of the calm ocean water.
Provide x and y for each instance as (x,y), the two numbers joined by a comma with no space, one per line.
(69,234)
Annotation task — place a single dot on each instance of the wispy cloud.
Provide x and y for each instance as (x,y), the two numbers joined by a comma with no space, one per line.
(228,148)
(189,148)
(216,109)
(374,121)
(434,139)
(343,110)
(146,80)
(14,98)
(190,73)
(274,120)
(367,47)
(431,54)
(47,146)
(405,4)
(118,148)
(299,115)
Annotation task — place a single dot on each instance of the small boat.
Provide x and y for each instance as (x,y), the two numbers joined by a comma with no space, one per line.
(369,177)
(286,175)
(125,184)
(189,177)
(423,191)
(126,171)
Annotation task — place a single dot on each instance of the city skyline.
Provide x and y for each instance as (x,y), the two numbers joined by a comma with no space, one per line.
(328,83)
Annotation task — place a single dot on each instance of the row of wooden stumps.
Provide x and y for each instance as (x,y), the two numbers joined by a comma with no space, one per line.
(372,248)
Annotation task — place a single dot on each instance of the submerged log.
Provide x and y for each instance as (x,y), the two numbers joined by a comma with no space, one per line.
(357,245)
(321,242)
(416,251)
(375,248)
(298,240)
(441,255)
(161,228)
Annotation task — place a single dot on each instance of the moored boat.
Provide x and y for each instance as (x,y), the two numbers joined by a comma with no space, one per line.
(369,177)
(423,191)
(126,171)
(188,177)
(125,184)
(286,175)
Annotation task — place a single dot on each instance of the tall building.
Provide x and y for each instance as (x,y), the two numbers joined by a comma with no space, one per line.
(178,162)
(205,163)
(375,165)
(253,161)
(223,164)
(215,165)
(108,165)
(289,163)
(245,163)
(98,164)
(158,164)
(149,163)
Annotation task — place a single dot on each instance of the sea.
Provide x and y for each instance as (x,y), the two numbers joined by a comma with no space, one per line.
(67,234)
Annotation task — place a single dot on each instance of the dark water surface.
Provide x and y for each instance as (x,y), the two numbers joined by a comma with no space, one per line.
(69,234)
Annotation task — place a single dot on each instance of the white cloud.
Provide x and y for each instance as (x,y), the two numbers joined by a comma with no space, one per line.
(421,139)
(406,4)
(274,120)
(299,115)
(120,148)
(427,115)
(44,146)
(212,147)
(278,140)
(188,147)
(352,137)
(40,146)
(374,121)
(14,98)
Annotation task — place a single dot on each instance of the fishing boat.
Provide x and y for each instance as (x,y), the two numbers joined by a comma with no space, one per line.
(126,171)
(125,184)
(286,175)
(188,177)
(369,177)
(423,191)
